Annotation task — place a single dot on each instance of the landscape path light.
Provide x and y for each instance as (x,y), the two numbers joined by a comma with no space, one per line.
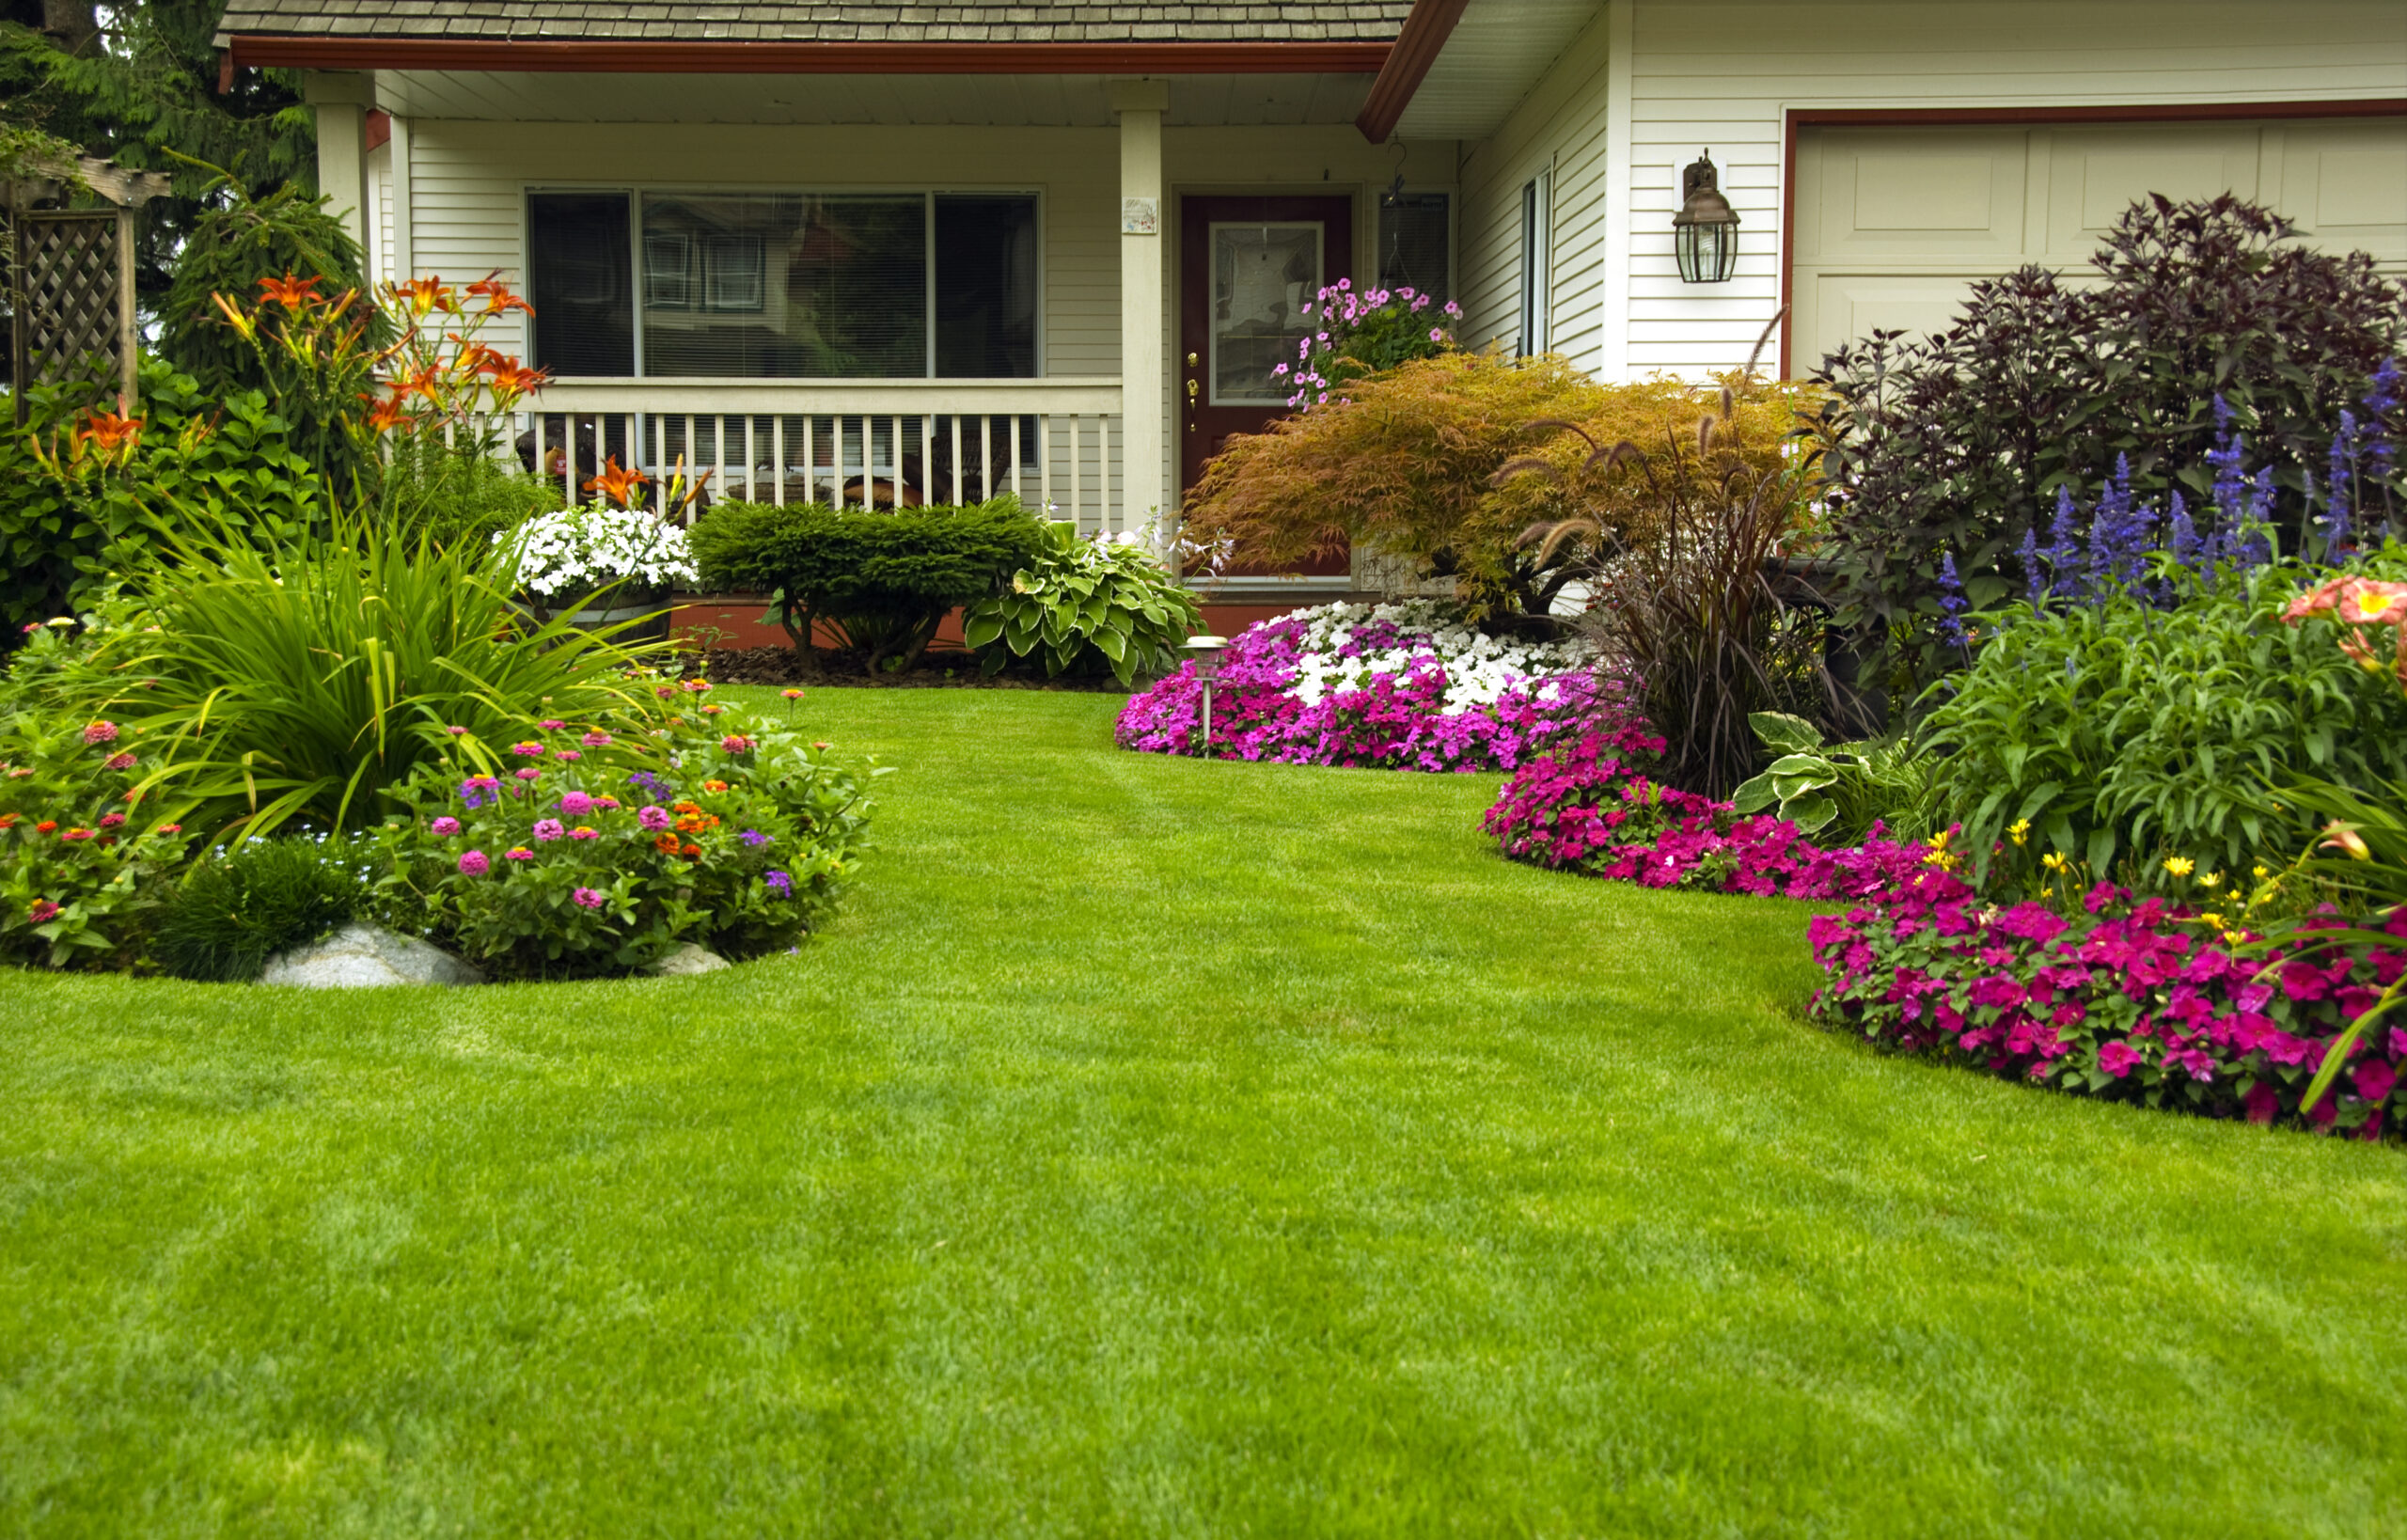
(1205,651)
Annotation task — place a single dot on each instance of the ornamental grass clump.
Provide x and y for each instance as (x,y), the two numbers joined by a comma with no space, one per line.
(1405,687)
(563,862)
(238,907)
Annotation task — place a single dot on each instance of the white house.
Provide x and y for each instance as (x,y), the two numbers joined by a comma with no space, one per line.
(862,249)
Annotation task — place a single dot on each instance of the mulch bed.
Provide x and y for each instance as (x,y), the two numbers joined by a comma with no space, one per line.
(947,670)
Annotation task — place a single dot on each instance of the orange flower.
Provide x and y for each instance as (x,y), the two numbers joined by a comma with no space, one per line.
(290,292)
(693,850)
(622,487)
(425,295)
(2371,602)
(517,379)
(665,844)
(108,432)
(713,786)
(385,415)
(497,294)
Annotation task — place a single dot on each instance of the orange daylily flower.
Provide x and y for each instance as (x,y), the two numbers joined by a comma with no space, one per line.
(108,432)
(517,379)
(426,295)
(497,294)
(290,292)
(621,486)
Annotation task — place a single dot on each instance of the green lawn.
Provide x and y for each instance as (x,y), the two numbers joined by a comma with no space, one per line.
(1159,1148)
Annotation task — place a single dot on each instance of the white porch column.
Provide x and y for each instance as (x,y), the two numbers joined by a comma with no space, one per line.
(1145,384)
(341,103)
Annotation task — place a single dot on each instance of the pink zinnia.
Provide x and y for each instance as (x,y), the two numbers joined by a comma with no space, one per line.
(118,762)
(101,732)
(474,864)
(549,828)
(587,898)
(576,804)
(551,724)
(585,831)
(530,773)
(110,821)
(735,743)
(654,819)
(528,752)
(457,732)
(42,912)
(595,740)
(571,755)
(446,826)
(519,852)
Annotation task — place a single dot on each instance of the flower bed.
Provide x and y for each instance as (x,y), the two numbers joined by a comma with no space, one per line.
(2139,1002)
(1404,686)
(2142,1001)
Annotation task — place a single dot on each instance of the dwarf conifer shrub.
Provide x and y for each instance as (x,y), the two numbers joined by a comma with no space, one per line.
(881,579)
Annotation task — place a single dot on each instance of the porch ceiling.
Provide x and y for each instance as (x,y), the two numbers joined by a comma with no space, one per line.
(1498,51)
(1002,100)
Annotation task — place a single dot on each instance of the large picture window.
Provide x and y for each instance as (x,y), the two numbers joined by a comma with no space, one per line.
(791,285)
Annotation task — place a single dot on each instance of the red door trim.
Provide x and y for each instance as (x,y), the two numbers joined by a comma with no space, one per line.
(2202,112)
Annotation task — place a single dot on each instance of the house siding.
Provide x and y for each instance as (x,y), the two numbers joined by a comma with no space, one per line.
(1721,77)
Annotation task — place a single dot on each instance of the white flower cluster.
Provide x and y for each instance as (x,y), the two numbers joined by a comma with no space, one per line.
(1478,668)
(578,550)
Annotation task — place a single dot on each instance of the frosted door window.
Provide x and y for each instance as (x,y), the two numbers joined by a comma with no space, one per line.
(1262,277)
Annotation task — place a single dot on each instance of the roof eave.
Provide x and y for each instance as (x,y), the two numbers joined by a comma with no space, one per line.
(557,55)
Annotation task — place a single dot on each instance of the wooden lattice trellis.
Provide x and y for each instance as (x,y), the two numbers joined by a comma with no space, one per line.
(71,294)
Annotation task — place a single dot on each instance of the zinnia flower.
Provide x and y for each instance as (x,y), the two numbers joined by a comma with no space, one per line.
(735,743)
(168,828)
(445,826)
(549,828)
(457,732)
(110,821)
(571,755)
(77,834)
(587,898)
(551,724)
(790,695)
(519,852)
(118,762)
(528,752)
(101,732)
(595,740)
(585,831)
(576,804)
(530,773)
(42,912)
(474,864)
(654,818)
(665,844)
(712,786)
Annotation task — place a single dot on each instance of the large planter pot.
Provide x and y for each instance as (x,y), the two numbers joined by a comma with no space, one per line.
(648,607)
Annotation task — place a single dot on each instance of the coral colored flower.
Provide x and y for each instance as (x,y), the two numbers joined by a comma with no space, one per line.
(530,773)
(110,821)
(607,804)
(168,828)
(118,762)
(735,743)
(445,826)
(551,724)
(713,711)
(790,695)
(548,828)
(571,755)
(43,912)
(528,750)
(696,686)
(712,786)
(654,818)
(10,820)
(474,863)
(595,740)
(587,898)
(46,826)
(101,732)
(77,834)
(457,732)
(576,804)
(519,852)
(585,831)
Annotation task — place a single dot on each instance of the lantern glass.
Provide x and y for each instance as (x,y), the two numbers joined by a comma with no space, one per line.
(1705,233)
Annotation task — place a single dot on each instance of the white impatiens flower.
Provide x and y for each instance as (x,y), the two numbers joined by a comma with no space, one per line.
(578,550)
(1478,668)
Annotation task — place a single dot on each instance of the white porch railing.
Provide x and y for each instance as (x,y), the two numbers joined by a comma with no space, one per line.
(848,443)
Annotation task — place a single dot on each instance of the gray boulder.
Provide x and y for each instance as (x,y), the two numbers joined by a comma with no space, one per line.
(688,958)
(364,956)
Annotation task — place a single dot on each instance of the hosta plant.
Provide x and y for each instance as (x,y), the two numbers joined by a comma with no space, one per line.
(1839,791)
(1104,601)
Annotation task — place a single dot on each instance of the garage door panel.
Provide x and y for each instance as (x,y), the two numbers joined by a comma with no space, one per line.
(1943,194)
(1891,223)
(2346,184)
(2095,174)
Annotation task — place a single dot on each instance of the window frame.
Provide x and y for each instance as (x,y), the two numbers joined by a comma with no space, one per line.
(927,193)
(1538,262)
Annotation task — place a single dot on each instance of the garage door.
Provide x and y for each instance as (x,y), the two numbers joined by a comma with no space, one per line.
(1890,222)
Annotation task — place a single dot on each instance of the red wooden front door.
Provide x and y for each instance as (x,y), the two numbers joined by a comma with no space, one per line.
(1247,266)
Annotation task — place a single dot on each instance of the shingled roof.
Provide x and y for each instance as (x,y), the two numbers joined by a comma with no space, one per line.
(788,21)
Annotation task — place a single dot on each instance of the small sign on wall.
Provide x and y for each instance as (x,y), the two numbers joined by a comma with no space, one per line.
(1140,216)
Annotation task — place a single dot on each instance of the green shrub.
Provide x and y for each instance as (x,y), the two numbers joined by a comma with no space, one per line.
(1959,443)
(289,233)
(882,580)
(72,512)
(300,682)
(237,909)
(1086,603)
(2118,733)
(457,495)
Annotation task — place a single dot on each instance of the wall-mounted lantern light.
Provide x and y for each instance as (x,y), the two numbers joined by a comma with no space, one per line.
(1704,232)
